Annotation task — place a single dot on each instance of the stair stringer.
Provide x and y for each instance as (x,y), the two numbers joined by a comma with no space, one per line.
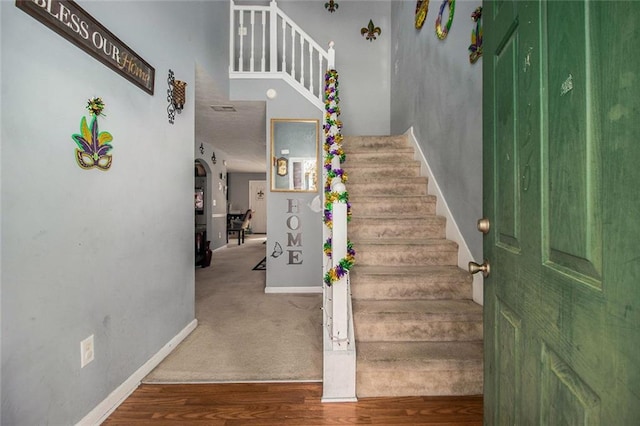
(452,231)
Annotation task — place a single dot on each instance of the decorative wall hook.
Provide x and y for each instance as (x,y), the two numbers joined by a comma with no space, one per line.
(331,6)
(214,160)
(370,31)
(176,96)
(201,149)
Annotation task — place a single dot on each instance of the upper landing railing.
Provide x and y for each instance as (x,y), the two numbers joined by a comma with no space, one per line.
(265,43)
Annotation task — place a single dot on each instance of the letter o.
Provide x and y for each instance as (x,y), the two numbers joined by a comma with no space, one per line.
(290,223)
(93,38)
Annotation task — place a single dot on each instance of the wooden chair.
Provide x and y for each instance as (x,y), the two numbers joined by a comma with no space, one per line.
(239,226)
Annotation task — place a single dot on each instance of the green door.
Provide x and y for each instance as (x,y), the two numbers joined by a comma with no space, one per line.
(562,193)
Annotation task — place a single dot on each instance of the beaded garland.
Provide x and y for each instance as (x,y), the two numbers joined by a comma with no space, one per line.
(333,147)
(443,32)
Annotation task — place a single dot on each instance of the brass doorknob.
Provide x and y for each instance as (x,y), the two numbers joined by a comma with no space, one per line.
(484,225)
(485,268)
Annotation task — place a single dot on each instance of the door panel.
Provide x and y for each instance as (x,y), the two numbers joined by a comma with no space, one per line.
(566,399)
(571,187)
(561,105)
(509,357)
(258,205)
(507,220)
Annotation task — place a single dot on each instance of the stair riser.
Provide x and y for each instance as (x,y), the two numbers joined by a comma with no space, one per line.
(429,227)
(353,158)
(397,170)
(387,188)
(372,329)
(458,381)
(375,142)
(405,255)
(391,207)
(394,289)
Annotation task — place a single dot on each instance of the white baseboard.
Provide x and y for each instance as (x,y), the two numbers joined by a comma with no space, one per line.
(442,209)
(100,413)
(314,290)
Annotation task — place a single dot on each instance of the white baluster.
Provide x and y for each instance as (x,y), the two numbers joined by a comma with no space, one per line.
(321,71)
(293,53)
(301,60)
(264,29)
(273,37)
(232,26)
(253,25)
(284,46)
(240,29)
(310,68)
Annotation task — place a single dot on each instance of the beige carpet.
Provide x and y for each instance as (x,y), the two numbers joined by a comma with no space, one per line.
(243,334)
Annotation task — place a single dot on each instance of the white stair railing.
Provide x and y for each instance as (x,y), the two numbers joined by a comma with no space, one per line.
(265,43)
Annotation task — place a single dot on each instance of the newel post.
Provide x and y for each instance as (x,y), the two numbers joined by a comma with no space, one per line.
(339,288)
(332,56)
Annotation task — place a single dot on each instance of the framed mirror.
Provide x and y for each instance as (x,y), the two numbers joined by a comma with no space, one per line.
(294,155)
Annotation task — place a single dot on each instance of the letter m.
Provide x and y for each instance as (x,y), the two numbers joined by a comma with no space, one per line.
(294,241)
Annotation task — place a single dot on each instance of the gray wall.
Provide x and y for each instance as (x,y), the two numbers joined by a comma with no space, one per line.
(239,189)
(362,65)
(300,263)
(216,197)
(438,92)
(90,252)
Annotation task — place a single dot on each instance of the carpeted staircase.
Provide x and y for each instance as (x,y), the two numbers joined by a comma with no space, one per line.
(417,330)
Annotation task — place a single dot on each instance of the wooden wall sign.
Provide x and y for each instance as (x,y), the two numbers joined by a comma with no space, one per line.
(72,22)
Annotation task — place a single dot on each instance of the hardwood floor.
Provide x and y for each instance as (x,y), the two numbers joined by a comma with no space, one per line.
(284,404)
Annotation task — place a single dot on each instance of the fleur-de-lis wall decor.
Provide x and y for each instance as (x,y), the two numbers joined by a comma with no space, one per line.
(331,6)
(370,31)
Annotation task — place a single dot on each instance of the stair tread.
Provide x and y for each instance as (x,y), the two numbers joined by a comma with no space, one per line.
(405,217)
(418,355)
(414,308)
(406,241)
(417,270)
(401,197)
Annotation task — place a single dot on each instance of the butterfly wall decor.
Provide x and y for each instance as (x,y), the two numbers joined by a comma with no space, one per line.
(277,250)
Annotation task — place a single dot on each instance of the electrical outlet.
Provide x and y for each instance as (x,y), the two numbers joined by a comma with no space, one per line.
(242,31)
(214,202)
(219,235)
(87,352)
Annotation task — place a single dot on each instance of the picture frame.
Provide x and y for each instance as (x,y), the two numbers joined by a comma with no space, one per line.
(282,166)
(295,158)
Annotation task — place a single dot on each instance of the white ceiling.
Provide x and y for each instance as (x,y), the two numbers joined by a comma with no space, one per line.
(240,135)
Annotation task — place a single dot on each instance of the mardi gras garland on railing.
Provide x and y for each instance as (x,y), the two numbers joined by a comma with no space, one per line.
(345,264)
(332,147)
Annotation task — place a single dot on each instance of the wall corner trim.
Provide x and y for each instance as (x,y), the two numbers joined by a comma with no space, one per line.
(100,413)
(452,231)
